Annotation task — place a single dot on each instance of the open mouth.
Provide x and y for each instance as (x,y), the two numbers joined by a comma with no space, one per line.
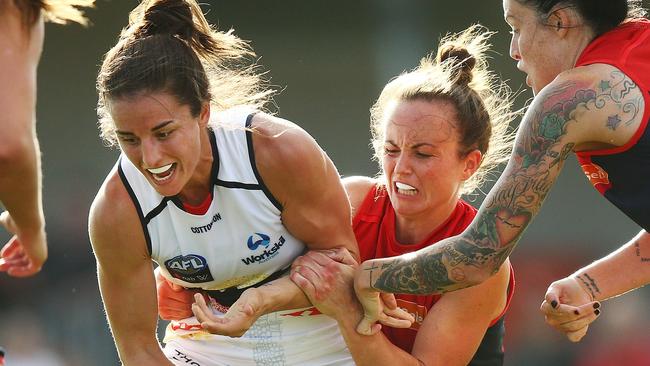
(163,173)
(405,189)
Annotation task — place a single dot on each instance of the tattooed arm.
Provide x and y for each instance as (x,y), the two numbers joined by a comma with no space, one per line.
(585,108)
(602,279)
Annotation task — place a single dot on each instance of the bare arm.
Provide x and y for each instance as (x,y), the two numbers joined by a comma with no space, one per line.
(594,104)
(571,304)
(602,279)
(449,335)
(125,274)
(302,177)
(316,211)
(20,161)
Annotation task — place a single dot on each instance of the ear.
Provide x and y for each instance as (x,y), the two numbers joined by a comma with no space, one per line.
(204,116)
(562,19)
(472,162)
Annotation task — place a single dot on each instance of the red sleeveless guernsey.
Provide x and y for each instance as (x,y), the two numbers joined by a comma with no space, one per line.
(374,228)
(622,174)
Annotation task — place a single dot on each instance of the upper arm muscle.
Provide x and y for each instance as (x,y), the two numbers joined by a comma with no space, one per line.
(455,326)
(124,270)
(303,178)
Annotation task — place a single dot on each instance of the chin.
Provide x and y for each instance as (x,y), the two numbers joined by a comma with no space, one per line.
(167,190)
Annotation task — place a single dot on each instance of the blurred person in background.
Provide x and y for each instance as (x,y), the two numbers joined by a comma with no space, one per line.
(222,196)
(21,44)
(437,131)
(587,63)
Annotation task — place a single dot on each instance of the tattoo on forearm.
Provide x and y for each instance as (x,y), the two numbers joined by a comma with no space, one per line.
(540,151)
(637,247)
(424,274)
(429,273)
(590,284)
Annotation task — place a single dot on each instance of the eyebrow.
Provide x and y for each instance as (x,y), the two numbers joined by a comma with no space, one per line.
(154,129)
(414,146)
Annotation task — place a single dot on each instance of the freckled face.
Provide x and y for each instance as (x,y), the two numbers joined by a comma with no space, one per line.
(160,137)
(421,161)
(533,45)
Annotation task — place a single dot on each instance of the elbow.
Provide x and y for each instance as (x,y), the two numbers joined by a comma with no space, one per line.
(475,277)
(481,276)
(15,150)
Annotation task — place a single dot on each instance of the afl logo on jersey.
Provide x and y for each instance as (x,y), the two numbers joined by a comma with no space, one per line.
(257,240)
(190,268)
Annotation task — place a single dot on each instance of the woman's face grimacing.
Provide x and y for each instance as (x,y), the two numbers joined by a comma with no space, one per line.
(160,137)
(421,159)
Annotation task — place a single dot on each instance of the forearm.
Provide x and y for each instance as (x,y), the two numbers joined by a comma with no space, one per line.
(434,269)
(146,355)
(20,185)
(373,350)
(603,279)
(281,294)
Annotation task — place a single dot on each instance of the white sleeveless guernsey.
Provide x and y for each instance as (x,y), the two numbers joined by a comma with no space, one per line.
(239,242)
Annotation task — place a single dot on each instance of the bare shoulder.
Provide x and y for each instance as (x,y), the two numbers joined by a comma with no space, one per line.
(278,140)
(113,222)
(357,188)
(287,157)
(604,105)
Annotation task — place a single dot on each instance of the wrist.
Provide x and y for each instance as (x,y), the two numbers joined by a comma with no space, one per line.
(349,318)
(32,227)
(364,276)
(583,280)
(260,299)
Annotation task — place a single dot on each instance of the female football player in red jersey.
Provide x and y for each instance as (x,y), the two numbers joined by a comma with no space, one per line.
(587,63)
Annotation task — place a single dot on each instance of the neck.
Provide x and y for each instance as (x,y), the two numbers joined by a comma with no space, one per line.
(413,230)
(581,41)
(198,187)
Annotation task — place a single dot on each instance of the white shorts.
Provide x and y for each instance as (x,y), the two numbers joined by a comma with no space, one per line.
(293,337)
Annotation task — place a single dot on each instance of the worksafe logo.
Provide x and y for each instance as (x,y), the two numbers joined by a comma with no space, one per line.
(257,240)
(270,250)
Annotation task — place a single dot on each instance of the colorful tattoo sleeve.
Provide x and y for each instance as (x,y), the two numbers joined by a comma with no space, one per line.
(543,143)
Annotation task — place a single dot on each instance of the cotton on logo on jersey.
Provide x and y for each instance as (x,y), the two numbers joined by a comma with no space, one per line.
(190,268)
(206,228)
(258,240)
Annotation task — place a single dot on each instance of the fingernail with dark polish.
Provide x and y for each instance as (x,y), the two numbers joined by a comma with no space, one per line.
(597,312)
(554,304)
(576,312)
(596,305)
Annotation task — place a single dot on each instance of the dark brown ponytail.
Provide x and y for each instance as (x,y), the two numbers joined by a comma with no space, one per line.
(170,47)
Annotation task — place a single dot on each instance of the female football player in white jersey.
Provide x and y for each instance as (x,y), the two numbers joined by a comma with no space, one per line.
(438,131)
(223,197)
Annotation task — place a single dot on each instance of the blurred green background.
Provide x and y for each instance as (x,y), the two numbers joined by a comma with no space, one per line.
(330,59)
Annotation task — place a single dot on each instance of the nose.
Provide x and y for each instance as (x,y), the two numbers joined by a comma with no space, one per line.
(403,165)
(151,154)
(514,49)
